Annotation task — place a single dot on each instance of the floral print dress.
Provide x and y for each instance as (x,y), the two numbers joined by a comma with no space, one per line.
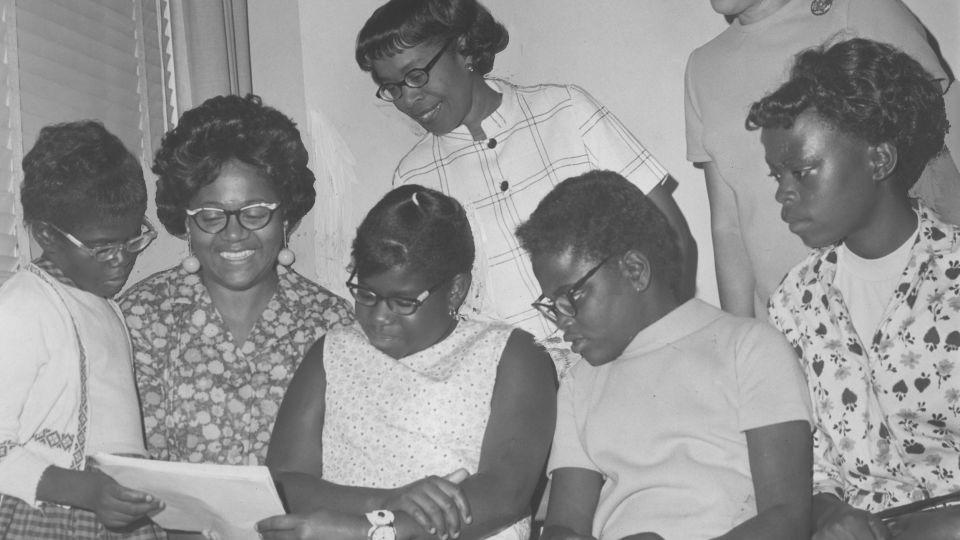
(204,399)
(886,406)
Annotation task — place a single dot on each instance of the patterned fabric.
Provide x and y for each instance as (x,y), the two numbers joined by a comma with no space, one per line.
(45,270)
(539,136)
(887,406)
(20,521)
(205,399)
(391,421)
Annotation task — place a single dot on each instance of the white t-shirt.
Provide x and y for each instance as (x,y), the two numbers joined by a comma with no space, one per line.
(664,423)
(867,284)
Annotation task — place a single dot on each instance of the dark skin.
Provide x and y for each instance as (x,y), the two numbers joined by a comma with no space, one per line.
(779,454)
(832,187)
(116,506)
(450,504)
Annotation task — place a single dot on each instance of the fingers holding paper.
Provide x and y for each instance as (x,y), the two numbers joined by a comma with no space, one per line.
(118,506)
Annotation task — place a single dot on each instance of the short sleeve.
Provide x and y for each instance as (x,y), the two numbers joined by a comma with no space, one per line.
(611,146)
(567,450)
(771,385)
(696,152)
(890,21)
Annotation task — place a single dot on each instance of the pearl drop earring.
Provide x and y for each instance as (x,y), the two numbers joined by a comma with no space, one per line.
(286,255)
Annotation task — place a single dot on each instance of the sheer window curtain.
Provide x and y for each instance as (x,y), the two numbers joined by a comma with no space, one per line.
(115,61)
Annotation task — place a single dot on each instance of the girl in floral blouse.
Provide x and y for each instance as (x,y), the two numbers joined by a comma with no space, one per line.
(874,309)
(217,339)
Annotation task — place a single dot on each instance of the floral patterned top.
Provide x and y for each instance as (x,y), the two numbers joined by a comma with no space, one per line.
(886,408)
(203,398)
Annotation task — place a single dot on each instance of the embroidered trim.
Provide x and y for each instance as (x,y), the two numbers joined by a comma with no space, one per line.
(6,447)
(79,448)
(54,439)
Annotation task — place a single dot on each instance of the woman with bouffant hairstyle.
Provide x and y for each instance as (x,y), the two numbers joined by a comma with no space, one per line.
(218,337)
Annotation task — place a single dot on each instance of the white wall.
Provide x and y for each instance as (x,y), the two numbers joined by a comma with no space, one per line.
(629,54)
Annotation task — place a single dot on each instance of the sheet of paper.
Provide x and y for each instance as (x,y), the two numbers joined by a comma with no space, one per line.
(227,499)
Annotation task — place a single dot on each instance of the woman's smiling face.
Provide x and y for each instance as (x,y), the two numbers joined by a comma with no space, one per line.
(441,105)
(237,258)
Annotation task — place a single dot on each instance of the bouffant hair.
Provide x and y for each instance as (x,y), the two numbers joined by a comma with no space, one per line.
(416,228)
(79,170)
(866,89)
(403,24)
(600,214)
(226,128)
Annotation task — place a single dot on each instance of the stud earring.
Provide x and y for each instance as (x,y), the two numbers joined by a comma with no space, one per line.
(469,67)
(190,263)
(819,7)
(286,255)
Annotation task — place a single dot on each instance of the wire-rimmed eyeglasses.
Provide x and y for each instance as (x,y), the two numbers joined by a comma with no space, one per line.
(415,78)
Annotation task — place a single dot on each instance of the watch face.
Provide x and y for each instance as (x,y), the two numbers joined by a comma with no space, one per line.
(384,533)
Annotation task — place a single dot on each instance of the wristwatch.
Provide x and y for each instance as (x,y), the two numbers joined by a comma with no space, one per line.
(382,528)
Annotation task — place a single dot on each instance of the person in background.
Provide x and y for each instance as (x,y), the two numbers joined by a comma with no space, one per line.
(684,421)
(752,248)
(497,147)
(433,424)
(874,308)
(65,359)
(217,338)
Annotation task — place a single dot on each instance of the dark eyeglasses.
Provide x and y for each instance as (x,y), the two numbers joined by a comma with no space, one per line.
(252,217)
(415,78)
(108,252)
(566,303)
(397,304)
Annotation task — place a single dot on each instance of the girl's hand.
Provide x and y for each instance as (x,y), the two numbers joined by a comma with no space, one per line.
(942,524)
(318,524)
(117,506)
(844,522)
(437,504)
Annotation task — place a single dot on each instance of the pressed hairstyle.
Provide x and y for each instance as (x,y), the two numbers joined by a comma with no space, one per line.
(601,214)
(226,128)
(428,235)
(404,24)
(79,170)
(866,89)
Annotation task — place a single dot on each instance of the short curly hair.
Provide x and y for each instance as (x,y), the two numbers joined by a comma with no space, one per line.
(416,228)
(600,214)
(866,89)
(403,24)
(226,128)
(78,170)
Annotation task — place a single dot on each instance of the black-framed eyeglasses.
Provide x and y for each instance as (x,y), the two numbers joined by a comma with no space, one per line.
(415,78)
(108,252)
(398,304)
(252,217)
(566,303)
